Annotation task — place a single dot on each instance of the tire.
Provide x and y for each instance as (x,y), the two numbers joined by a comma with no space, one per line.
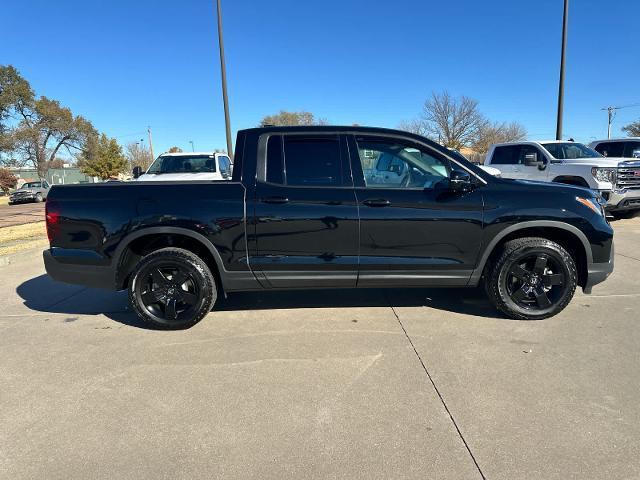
(532,279)
(172,288)
(38,198)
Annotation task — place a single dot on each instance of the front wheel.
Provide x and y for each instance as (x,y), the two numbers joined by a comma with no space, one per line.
(38,198)
(533,278)
(172,288)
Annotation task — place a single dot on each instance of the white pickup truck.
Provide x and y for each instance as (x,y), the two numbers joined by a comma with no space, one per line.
(617,179)
(172,167)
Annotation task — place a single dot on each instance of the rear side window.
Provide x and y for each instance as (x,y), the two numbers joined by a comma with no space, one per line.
(307,161)
(610,149)
(312,161)
(508,154)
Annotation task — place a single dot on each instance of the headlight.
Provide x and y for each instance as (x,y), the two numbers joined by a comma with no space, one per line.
(591,203)
(605,174)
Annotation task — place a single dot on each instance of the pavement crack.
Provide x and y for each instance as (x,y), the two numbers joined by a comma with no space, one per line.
(627,256)
(435,387)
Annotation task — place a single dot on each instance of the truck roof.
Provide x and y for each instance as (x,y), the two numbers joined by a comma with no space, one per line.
(188,154)
(328,128)
(623,139)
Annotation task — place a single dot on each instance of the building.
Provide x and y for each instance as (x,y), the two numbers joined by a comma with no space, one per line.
(55,176)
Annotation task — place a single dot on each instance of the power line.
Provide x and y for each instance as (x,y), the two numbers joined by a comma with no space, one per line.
(611,113)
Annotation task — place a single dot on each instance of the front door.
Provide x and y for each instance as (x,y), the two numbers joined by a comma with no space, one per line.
(306,217)
(414,230)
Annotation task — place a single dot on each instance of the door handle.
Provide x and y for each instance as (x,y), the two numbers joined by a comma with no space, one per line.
(277,200)
(377,202)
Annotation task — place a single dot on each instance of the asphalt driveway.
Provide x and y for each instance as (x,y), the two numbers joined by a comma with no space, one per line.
(325,384)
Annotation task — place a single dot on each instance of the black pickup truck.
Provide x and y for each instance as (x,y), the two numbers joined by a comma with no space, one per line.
(330,207)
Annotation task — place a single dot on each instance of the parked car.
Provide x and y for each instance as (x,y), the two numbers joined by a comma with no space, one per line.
(301,213)
(618,147)
(30,192)
(616,179)
(170,167)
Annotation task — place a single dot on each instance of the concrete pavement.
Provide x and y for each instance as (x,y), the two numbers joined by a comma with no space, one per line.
(337,384)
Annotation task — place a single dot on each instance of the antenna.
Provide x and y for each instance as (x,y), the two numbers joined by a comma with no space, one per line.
(611,113)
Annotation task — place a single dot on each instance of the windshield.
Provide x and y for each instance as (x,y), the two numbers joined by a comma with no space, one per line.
(183,164)
(31,185)
(570,151)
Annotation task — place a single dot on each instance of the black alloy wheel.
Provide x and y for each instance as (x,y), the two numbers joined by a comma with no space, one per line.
(533,278)
(535,281)
(172,288)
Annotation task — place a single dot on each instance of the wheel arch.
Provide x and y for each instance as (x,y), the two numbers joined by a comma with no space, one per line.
(571,180)
(139,243)
(568,236)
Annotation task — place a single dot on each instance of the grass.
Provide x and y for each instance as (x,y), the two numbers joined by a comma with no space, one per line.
(22,237)
(4,200)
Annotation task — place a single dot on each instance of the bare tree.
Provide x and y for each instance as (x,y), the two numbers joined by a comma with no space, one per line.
(416,126)
(138,156)
(292,118)
(454,122)
(175,149)
(491,133)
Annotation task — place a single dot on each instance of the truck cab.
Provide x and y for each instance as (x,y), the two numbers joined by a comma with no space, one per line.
(180,166)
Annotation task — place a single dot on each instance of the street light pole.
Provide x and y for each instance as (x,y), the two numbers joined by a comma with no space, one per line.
(565,18)
(223,71)
(192,147)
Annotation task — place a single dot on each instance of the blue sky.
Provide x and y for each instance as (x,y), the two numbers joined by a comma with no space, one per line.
(125,65)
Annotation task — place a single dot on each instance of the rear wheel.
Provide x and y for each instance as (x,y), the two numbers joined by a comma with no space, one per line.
(172,289)
(533,278)
(38,197)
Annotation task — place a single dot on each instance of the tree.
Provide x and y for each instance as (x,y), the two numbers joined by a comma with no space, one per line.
(7,180)
(41,127)
(455,122)
(138,156)
(175,150)
(102,158)
(491,133)
(633,129)
(291,119)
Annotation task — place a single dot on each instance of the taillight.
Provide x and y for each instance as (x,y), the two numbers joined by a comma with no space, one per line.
(52,218)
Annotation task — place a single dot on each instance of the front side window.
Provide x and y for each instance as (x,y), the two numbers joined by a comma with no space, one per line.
(506,155)
(394,164)
(610,149)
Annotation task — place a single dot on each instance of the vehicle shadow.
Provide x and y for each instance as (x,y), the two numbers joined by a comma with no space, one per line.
(75,300)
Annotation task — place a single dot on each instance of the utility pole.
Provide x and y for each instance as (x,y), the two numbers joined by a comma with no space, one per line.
(150,144)
(223,71)
(611,113)
(565,18)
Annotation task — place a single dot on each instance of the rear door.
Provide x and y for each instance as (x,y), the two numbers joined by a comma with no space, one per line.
(306,217)
(414,231)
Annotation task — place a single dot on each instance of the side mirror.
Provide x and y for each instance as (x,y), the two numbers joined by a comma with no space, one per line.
(137,171)
(460,181)
(531,160)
